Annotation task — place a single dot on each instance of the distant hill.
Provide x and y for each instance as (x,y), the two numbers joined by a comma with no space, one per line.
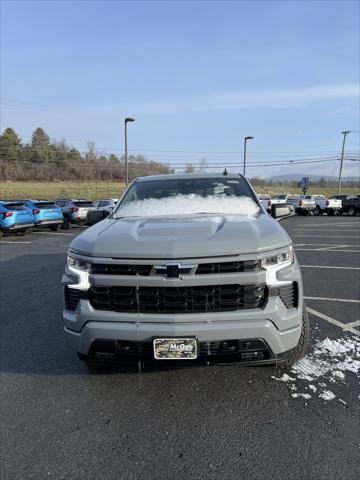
(295,177)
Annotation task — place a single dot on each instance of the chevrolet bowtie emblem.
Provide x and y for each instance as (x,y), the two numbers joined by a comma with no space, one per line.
(173,270)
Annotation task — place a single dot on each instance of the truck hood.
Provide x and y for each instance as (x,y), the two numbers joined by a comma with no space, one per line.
(181,236)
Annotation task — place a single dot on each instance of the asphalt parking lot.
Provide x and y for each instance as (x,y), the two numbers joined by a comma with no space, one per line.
(60,421)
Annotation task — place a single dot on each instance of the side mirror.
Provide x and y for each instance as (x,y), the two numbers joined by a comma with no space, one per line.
(282,210)
(95,216)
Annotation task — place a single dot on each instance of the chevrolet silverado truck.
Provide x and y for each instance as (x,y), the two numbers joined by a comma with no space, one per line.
(318,204)
(187,269)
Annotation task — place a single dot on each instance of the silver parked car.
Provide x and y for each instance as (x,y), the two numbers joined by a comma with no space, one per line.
(188,269)
(106,204)
(74,211)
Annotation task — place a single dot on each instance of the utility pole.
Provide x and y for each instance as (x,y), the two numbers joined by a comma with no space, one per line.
(245,140)
(126,121)
(345,132)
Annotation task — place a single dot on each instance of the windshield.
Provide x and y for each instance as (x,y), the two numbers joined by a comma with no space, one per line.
(83,203)
(45,205)
(188,196)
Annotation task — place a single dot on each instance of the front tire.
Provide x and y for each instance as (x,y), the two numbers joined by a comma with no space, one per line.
(300,350)
(66,224)
(352,211)
(317,211)
(331,213)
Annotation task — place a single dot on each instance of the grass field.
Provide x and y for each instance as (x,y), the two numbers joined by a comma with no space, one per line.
(52,190)
(96,190)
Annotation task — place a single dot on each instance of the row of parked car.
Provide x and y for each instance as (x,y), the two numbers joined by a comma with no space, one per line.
(23,215)
(315,204)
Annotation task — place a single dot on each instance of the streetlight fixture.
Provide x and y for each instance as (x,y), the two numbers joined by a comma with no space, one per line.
(345,132)
(126,121)
(245,140)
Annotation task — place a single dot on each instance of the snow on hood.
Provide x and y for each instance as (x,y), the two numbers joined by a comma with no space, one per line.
(188,205)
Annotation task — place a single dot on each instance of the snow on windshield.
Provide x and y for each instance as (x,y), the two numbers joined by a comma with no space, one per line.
(187,205)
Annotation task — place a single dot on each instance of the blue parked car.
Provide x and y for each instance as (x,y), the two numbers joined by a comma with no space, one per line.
(46,214)
(15,217)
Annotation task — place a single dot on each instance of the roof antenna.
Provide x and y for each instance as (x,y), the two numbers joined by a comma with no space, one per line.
(225,172)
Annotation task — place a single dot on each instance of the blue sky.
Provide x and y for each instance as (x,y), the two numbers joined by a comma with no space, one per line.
(197,76)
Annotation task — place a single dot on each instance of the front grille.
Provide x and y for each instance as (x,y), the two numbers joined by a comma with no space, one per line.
(202,268)
(289,295)
(199,299)
(228,267)
(72,296)
(120,269)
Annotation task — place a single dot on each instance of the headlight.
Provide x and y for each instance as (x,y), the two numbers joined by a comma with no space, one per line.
(78,264)
(285,257)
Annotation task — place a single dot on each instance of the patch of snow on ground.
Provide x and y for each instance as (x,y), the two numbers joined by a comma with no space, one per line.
(189,204)
(331,361)
(284,378)
(302,395)
(327,395)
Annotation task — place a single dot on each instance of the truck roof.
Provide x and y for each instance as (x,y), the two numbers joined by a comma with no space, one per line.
(182,176)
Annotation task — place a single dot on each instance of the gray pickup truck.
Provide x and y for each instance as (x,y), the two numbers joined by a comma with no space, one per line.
(188,269)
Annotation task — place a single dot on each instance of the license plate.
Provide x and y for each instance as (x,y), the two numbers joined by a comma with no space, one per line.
(175,348)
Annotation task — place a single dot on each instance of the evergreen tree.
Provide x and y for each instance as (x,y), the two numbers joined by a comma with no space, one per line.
(40,146)
(10,145)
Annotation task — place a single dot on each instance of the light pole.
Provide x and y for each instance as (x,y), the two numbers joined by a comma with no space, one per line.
(345,132)
(126,121)
(245,140)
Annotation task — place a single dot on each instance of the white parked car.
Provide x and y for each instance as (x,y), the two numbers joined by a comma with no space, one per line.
(318,204)
(107,204)
(285,198)
(265,201)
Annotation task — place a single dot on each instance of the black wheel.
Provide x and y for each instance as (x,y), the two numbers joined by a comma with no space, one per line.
(55,228)
(300,350)
(352,212)
(1,233)
(66,224)
(339,212)
(317,211)
(305,213)
(331,213)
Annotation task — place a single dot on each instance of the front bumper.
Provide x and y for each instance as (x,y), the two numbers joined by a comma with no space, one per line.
(273,323)
(278,327)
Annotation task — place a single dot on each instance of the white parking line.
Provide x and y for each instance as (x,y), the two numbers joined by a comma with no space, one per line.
(326,236)
(332,230)
(56,233)
(321,245)
(319,250)
(346,300)
(333,321)
(331,247)
(354,324)
(329,266)
(13,243)
(314,225)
